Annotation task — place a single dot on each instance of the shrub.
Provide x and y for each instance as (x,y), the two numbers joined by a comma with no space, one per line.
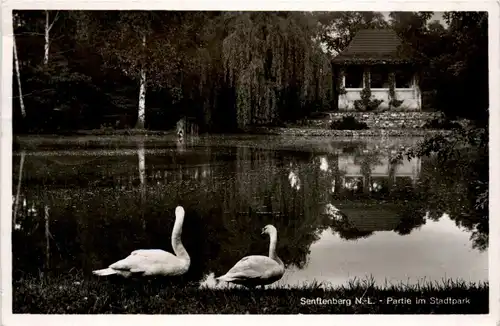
(395,103)
(366,103)
(441,123)
(348,123)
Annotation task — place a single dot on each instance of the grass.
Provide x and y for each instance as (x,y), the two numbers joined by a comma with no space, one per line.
(117,137)
(287,136)
(75,295)
(32,142)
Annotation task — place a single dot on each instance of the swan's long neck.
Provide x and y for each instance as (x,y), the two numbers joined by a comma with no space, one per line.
(179,249)
(272,245)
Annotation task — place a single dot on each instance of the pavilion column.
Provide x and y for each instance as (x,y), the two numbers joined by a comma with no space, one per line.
(416,88)
(340,83)
(366,76)
(392,86)
(392,76)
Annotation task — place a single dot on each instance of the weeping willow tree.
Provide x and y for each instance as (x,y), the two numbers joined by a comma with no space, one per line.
(276,68)
(224,68)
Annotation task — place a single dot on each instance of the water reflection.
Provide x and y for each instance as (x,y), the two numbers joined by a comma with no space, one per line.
(332,207)
(17,226)
(426,255)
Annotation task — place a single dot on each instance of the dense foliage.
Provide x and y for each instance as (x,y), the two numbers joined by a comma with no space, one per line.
(452,61)
(85,69)
(226,69)
(465,154)
(456,70)
(348,123)
(338,28)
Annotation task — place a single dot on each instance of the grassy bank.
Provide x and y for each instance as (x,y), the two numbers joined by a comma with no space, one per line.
(151,139)
(289,130)
(323,132)
(72,295)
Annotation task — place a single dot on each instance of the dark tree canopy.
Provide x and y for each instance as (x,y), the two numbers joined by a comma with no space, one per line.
(338,28)
(226,69)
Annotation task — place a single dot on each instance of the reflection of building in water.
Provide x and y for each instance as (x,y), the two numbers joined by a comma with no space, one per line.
(373,172)
(293,178)
(371,219)
(352,220)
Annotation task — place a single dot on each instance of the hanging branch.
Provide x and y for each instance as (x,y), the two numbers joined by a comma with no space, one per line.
(271,62)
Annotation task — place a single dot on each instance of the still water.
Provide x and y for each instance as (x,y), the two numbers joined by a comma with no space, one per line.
(342,208)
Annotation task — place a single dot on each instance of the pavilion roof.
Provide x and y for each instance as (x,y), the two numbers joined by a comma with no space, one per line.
(373,46)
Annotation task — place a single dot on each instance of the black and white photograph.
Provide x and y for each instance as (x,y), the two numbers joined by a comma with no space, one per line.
(252,162)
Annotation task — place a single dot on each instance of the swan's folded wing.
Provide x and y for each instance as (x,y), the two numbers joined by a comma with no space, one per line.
(153,254)
(252,267)
(141,261)
(131,263)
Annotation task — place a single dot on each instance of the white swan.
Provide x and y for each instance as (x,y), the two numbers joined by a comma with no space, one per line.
(149,262)
(257,270)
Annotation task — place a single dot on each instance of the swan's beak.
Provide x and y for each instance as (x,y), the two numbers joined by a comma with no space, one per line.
(263,231)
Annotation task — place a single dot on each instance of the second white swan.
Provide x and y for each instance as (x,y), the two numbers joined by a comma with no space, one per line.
(154,262)
(257,270)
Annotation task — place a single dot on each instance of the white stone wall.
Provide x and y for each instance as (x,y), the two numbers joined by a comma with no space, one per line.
(411,97)
(408,168)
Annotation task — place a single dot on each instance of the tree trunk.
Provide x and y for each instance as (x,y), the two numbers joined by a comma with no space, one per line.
(142,95)
(18,75)
(16,205)
(47,43)
(48,27)
(142,177)
(142,162)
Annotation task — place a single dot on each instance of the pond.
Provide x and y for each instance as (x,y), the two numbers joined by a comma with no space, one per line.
(343,209)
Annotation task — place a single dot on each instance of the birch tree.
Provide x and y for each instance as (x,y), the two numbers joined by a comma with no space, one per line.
(44,63)
(18,77)
(19,180)
(142,44)
(141,116)
(17,22)
(48,27)
(142,177)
